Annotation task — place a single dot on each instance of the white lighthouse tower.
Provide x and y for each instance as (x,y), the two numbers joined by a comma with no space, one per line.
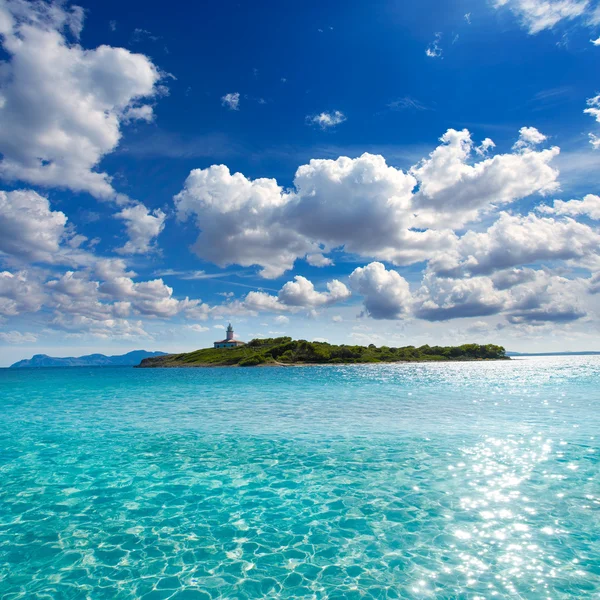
(229,341)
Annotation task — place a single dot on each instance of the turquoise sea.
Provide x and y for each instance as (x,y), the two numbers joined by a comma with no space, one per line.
(453,480)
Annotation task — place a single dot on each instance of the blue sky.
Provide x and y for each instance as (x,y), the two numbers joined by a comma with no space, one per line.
(119,229)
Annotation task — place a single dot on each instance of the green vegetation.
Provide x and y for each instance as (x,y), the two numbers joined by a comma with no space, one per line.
(285,351)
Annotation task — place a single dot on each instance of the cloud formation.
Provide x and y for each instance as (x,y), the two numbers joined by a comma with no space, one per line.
(29,229)
(295,295)
(361,204)
(327,120)
(62,106)
(537,15)
(386,293)
(231,101)
(143,227)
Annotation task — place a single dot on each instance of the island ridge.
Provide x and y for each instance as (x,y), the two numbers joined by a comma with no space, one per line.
(286,351)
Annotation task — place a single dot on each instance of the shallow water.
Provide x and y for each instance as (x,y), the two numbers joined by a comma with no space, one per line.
(472,480)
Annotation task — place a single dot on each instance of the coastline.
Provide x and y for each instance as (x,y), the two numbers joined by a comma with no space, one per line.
(284,351)
(316,364)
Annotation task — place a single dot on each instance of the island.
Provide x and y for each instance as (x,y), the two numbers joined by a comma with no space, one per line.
(131,359)
(284,351)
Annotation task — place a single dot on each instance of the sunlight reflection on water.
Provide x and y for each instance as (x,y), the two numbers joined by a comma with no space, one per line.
(441,481)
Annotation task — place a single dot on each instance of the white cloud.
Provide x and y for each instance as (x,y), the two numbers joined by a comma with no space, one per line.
(29,229)
(484,148)
(362,204)
(594,141)
(318,260)
(241,220)
(468,18)
(455,192)
(261,302)
(111,268)
(386,293)
(513,241)
(327,120)
(231,101)
(79,304)
(19,293)
(143,227)
(588,207)
(434,50)
(301,292)
(537,15)
(197,328)
(547,298)
(293,296)
(16,337)
(61,107)
(596,42)
(281,320)
(441,299)
(594,107)
(529,137)
(147,298)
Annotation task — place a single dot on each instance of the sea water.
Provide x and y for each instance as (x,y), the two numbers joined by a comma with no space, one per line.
(451,480)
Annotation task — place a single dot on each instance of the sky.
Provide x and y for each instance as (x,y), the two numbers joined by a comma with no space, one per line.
(386,172)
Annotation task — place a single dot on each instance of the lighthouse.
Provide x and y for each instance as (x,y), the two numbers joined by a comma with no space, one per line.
(229,341)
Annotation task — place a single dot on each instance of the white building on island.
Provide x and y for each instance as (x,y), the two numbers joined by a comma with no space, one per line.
(229,342)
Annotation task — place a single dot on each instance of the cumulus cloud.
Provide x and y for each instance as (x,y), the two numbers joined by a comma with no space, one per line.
(529,137)
(513,241)
(537,15)
(111,268)
(588,207)
(16,337)
(20,292)
(301,292)
(593,107)
(62,106)
(361,204)
(318,260)
(440,299)
(295,295)
(486,145)
(100,301)
(256,302)
(241,220)
(454,191)
(143,227)
(148,298)
(197,328)
(547,298)
(327,120)
(231,101)
(386,294)
(29,229)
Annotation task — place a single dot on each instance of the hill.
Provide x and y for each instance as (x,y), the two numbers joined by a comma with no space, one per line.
(582,353)
(91,360)
(285,351)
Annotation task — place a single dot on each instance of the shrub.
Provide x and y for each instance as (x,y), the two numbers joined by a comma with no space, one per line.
(252,361)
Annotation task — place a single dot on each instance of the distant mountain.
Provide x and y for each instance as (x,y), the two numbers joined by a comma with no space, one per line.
(91,360)
(585,353)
